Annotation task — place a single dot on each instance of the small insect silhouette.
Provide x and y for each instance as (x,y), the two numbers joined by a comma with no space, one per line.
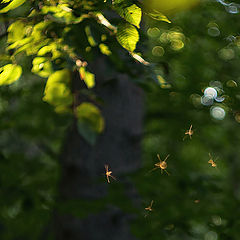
(161,164)
(149,208)
(189,132)
(211,161)
(108,173)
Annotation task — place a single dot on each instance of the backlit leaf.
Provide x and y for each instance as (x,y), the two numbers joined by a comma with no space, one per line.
(132,13)
(57,91)
(104,49)
(16,31)
(10,73)
(42,67)
(90,122)
(50,49)
(127,36)
(62,13)
(87,77)
(12,5)
(158,16)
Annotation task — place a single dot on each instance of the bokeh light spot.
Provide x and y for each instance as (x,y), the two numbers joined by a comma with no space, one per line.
(206,100)
(232,8)
(211,236)
(231,83)
(175,36)
(217,113)
(217,220)
(237,117)
(220,99)
(210,92)
(164,37)
(196,100)
(177,45)
(215,84)
(153,32)
(226,54)
(213,32)
(158,51)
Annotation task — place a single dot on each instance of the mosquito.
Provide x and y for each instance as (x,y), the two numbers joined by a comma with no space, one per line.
(149,208)
(211,161)
(161,164)
(189,132)
(108,173)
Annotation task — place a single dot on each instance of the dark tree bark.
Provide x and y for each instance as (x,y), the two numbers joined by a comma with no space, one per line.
(83,165)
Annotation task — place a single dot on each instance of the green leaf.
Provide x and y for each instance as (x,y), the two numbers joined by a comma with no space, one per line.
(104,49)
(50,49)
(10,73)
(158,16)
(87,77)
(19,43)
(5,57)
(90,122)
(57,91)
(12,5)
(90,38)
(62,13)
(32,42)
(162,82)
(42,67)
(132,13)
(16,31)
(127,36)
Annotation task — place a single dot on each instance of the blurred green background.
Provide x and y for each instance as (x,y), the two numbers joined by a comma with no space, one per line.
(200,49)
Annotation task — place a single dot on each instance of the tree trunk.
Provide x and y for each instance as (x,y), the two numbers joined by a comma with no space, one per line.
(82,177)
